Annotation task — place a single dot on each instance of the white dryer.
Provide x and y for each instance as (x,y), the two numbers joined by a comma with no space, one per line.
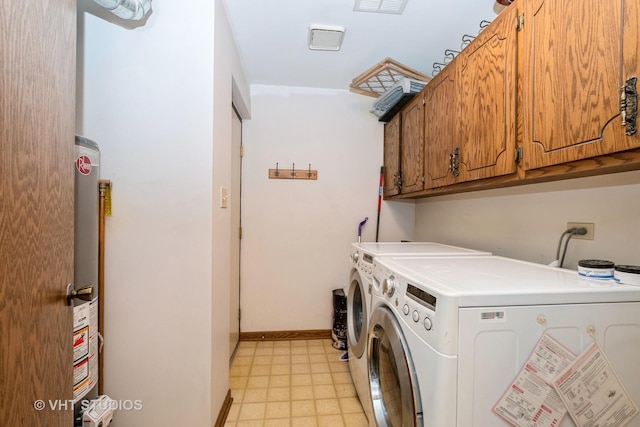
(447,336)
(359,300)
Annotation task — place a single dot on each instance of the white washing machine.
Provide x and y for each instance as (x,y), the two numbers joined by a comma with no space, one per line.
(447,336)
(359,300)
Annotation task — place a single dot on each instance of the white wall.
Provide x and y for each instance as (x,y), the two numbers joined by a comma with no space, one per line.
(147,96)
(297,233)
(229,87)
(526,222)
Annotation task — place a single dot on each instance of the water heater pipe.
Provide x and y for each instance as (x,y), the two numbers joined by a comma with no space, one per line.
(131,10)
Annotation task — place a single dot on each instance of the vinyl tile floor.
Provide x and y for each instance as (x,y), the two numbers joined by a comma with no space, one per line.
(292,384)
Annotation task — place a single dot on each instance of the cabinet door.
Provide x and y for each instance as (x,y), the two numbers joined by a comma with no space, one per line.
(577,54)
(412,145)
(391,156)
(439,130)
(486,95)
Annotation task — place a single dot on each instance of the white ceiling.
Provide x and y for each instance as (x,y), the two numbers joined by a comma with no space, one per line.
(272,37)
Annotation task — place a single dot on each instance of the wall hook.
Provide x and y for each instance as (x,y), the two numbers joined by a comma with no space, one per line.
(437,67)
(483,24)
(278,173)
(466,40)
(450,53)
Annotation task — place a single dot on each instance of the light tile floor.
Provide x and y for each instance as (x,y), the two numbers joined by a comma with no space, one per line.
(292,383)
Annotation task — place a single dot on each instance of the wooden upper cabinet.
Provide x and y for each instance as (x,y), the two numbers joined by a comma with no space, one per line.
(536,95)
(440,118)
(391,157)
(576,56)
(412,145)
(486,96)
(470,109)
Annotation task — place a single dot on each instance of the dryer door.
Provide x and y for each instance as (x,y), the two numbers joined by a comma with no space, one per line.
(394,388)
(357,315)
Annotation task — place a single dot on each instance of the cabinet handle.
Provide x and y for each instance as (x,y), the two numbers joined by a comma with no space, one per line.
(629,105)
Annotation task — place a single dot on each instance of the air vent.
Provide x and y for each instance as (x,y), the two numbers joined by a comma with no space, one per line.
(380,6)
(325,37)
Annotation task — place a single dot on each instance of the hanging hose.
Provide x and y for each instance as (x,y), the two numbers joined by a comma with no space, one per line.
(570,233)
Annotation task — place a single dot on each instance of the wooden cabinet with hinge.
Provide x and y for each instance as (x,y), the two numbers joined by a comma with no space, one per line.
(392,177)
(412,145)
(470,109)
(547,91)
(576,57)
(486,96)
(440,117)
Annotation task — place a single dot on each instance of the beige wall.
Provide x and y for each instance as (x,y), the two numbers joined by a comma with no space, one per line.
(297,234)
(526,222)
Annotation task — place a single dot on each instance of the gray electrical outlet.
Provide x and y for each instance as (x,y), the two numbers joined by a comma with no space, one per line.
(590,226)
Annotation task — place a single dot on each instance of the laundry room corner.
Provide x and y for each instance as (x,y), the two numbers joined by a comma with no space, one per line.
(297,233)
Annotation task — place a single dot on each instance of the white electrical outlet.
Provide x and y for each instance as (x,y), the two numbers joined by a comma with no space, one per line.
(590,226)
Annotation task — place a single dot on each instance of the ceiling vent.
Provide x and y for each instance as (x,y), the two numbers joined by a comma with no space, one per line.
(380,6)
(325,37)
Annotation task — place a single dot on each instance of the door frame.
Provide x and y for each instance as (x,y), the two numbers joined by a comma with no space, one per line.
(234,335)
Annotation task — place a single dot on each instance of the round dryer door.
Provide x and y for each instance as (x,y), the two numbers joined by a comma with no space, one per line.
(394,391)
(357,315)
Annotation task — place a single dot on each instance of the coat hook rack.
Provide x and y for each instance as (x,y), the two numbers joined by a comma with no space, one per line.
(308,174)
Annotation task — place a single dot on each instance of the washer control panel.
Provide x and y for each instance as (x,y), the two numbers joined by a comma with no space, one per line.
(413,305)
(363,262)
(415,314)
(420,316)
(427,313)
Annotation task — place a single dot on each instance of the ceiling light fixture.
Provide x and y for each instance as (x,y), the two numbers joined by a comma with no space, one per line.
(380,6)
(325,37)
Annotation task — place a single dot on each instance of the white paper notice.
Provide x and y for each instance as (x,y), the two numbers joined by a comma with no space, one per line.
(85,348)
(531,400)
(593,393)
(81,320)
(93,343)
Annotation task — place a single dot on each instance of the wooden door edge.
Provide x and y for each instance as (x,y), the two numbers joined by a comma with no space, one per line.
(224,410)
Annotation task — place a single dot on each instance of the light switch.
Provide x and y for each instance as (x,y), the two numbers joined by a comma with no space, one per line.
(223,197)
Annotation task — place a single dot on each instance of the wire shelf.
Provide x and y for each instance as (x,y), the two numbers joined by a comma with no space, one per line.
(377,79)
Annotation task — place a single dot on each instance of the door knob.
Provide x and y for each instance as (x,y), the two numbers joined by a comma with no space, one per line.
(85,293)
